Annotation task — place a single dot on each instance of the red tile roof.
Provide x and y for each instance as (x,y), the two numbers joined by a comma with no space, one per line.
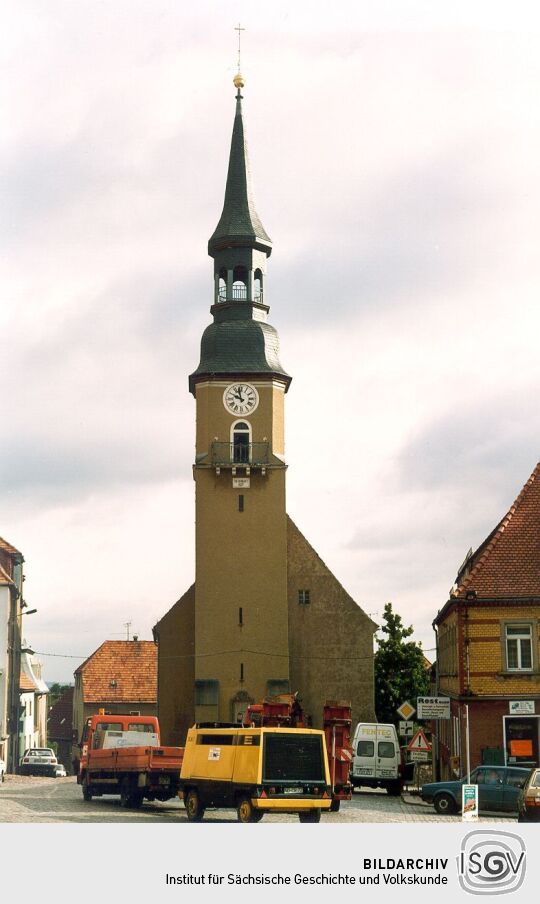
(60,719)
(120,671)
(26,684)
(507,563)
(7,547)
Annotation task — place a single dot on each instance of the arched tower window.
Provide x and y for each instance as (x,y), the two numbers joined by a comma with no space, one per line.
(222,285)
(241,442)
(240,281)
(258,286)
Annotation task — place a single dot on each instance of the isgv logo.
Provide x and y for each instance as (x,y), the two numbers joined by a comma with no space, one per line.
(491,863)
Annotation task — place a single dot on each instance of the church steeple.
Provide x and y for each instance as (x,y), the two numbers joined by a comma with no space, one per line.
(239,224)
(240,340)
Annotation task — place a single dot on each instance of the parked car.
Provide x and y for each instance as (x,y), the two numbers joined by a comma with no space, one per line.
(498,789)
(529,799)
(38,761)
(60,771)
(2,770)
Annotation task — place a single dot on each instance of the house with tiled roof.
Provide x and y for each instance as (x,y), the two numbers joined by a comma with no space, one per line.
(33,703)
(11,578)
(120,677)
(488,655)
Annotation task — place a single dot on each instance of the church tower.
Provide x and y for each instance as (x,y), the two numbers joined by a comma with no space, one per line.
(241,620)
(265,615)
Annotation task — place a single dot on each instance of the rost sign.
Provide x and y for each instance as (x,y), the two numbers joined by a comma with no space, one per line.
(433,707)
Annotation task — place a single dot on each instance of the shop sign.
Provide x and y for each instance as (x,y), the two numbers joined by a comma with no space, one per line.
(433,707)
(521,707)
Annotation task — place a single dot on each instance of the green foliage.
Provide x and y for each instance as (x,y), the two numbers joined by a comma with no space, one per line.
(400,668)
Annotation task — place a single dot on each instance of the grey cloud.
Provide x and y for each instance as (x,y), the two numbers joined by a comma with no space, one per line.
(408,243)
(488,445)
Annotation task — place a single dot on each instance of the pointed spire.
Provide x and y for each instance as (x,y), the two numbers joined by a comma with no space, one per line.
(239,224)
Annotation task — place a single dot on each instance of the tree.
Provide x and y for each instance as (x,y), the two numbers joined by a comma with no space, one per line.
(400,667)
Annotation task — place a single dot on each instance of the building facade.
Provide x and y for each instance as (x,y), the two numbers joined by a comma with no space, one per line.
(488,654)
(120,677)
(33,704)
(265,615)
(11,581)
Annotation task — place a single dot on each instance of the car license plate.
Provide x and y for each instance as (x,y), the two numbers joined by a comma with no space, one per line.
(164,779)
(293,790)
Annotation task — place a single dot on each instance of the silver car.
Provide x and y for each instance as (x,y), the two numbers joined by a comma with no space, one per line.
(38,761)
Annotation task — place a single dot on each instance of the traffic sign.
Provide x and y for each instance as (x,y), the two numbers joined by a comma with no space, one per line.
(406,711)
(433,707)
(406,729)
(419,742)
(418,756)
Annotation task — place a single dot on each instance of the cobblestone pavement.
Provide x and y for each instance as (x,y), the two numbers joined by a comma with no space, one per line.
(60,800)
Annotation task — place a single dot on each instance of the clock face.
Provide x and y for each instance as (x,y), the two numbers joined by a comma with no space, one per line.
(240,398)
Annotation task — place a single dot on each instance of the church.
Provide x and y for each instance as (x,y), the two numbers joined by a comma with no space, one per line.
(265,614)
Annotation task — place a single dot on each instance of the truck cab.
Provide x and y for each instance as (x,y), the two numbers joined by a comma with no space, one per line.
(122,754)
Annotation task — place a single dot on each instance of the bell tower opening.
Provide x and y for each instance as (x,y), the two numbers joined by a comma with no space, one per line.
(240,284)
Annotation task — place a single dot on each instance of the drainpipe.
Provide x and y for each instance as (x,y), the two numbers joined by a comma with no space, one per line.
(435,750)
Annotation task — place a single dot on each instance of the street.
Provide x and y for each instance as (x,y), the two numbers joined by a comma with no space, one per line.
(60,800)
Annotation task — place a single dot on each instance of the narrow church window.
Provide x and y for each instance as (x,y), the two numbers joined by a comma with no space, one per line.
(241,671)
(240,616)
(240,503)
(303,597)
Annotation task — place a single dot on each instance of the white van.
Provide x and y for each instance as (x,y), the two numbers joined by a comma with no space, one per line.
(377,758)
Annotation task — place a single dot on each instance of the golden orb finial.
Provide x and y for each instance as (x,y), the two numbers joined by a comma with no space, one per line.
(238,80)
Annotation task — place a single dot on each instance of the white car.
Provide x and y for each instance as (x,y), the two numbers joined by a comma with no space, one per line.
(2,770)
(38,761)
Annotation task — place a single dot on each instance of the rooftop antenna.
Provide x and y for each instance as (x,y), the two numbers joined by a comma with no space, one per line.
(127,626)
(238,80)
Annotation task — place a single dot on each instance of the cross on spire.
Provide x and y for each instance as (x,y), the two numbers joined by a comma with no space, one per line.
(239,29)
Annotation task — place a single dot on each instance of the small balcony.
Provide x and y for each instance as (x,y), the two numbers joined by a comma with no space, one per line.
(243,455)
(239,293)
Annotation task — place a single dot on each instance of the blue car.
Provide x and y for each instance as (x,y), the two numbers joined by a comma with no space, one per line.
(498,789)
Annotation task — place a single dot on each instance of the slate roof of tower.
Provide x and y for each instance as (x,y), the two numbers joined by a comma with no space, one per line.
(239,223)
(130,664)
(507,563)
(241,347)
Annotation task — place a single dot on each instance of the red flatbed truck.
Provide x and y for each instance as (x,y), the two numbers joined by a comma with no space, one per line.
(122,754)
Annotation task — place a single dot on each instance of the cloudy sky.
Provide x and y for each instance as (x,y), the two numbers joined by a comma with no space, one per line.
(395,151)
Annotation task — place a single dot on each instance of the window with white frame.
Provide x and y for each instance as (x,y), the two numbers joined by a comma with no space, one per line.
(518,647)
